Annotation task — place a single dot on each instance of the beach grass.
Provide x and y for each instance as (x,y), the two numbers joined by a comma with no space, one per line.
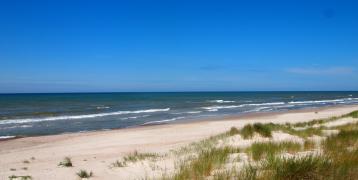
(309,145)
(334,157)
(26,161)
(247,131)
(84,174)
(258,150)
(307,167)
(13,177)
(204,164)
(119,164)
(233,131)
(263,129)
(343,141)
(136,156)
(66,162)
(353,114)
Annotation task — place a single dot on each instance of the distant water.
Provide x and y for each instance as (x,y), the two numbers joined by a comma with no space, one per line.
(40,114)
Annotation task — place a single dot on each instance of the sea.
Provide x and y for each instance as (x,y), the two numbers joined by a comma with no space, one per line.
(57,113)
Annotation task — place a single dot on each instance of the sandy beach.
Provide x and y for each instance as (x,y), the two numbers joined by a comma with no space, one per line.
(95,151)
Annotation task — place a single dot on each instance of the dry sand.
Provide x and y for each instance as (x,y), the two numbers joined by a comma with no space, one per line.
(95,151)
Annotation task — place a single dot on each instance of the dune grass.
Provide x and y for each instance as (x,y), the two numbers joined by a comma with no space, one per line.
(259,150)
(205,144)
(119,164)
(263,129)
(247,131)
(308,132)
(309,145)
(204,164)
(134,157)
(338,161)
(13,177)
(343,141)
(66,162)
(307,167)
(26,161)
(206,160)
(288,128)
(233,131)
(84,174)
(342,149)
(353,114)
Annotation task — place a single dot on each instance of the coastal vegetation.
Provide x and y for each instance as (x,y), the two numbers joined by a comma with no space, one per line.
(308,152)
(66,162)
(84,174)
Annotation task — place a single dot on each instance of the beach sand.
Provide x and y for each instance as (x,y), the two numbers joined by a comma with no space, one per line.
(95,151)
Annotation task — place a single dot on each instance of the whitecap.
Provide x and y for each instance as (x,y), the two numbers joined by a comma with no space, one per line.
(221,101)
(162,121)
(102,107)
(319,101)
(20,121)
(7,137)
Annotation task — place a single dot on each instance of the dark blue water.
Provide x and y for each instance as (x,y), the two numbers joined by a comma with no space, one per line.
(40,114)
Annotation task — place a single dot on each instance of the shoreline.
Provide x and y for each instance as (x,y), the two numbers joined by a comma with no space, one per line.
(189,121)
(97,150)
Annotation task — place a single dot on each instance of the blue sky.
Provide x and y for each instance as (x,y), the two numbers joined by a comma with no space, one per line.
(90,46)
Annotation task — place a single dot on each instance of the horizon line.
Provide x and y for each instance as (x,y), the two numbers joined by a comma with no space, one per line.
(109,92)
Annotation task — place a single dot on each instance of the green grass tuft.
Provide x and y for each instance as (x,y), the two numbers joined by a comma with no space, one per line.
(261,149)
(233,131)
(204,164)
(66,162)
(353,114)
(84,174)
(13,177)
(119,164)
(309,145)
(26,161)
(308,167)
(263,129)
(247,131)
(136,156)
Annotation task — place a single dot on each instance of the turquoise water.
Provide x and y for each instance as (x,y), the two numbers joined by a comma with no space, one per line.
(40,114)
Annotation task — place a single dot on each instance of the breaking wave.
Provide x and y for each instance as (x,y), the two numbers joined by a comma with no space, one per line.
(28,120)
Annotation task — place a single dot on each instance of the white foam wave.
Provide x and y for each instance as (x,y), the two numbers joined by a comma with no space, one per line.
(193,112)
(285,106)
(134,117)
(216,108)
(257,109)
(221,101)
(162,121)
(188,112)
(21,121)
(324,101)
(7,137)
(266,104)
(102,107)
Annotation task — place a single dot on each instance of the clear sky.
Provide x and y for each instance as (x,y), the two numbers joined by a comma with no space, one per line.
(148,45)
